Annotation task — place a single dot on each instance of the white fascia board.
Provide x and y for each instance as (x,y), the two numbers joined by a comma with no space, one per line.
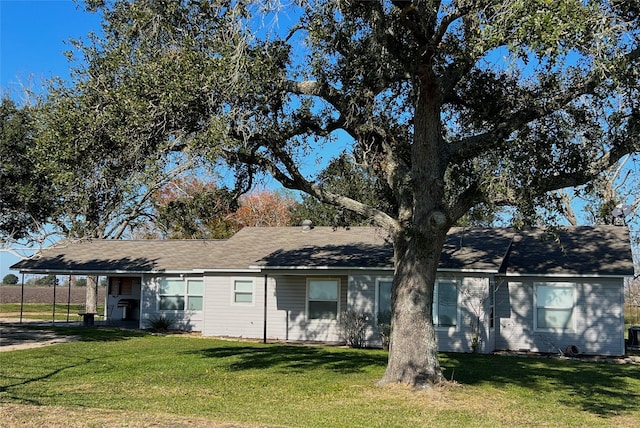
(108,272)
(560,275)
(251,269)
(365,268)
(307,268)
(488,271)
(83,272)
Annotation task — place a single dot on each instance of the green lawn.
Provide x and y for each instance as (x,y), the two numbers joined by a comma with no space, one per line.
(180,378)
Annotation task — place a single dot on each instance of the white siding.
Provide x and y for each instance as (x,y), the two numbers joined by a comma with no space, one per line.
(473,316)
(291,298)
(286,309)
(473,305)
(223,317)
(598,318)
(362,298)
(598,312)
(514,315)
(183,320)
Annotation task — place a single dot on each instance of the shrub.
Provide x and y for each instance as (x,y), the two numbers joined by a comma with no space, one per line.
(161,323)
(384,328)
(353,328)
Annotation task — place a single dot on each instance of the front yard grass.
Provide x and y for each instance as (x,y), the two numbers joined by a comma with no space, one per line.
(115,377)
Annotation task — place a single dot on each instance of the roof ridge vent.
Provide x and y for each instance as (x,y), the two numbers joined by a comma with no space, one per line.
(307,225)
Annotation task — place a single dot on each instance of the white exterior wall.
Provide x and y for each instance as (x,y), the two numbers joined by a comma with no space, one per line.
(291,315)
(224,317)
(149,305)
(598,316)
(598,312)
(362,298)
(286,309)
(474,302)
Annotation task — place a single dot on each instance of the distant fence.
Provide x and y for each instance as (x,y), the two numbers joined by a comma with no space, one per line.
(12,293)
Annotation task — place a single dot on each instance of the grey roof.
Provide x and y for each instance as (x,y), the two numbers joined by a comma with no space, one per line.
(481,249)
(583,250)
(579,251)
(289,247)
(121,256)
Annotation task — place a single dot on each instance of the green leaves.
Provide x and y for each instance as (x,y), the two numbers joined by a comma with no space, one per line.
(26,199)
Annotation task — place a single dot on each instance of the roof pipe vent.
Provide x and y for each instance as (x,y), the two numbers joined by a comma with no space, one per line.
(307,225)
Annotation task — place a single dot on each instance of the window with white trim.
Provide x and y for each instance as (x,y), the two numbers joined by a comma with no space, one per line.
(383,299)
(195,290)
(322,298)
(243,291)
(445,301)
(178,294)
(445,304)
(554,305)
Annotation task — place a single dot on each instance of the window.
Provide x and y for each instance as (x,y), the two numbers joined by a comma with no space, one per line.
(554,306)
(322,298)
(178,293)
(445,304)
(195,288)
(242,291)
(383,300)
(122,286)
(172,295)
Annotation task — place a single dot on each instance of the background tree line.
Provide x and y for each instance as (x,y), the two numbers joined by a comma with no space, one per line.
(46,281)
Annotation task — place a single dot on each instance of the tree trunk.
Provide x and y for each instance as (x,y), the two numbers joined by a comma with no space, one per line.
(91,299)
(413,349)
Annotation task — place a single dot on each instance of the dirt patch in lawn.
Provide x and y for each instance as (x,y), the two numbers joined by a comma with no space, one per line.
(21,415)
(14,338)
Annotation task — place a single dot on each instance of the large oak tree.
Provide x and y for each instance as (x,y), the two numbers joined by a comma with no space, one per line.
(26,199)
(447,103)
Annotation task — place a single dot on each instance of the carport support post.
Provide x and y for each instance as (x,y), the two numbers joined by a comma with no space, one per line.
(69,299)
(264,333)
(53,315)
(22,298)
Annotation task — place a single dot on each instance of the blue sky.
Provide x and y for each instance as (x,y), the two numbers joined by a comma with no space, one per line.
(33,37)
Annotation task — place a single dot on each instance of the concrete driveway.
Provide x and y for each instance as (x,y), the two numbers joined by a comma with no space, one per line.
(15,337)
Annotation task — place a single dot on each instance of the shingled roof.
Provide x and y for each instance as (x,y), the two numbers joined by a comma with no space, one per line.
(582,250)
(109,255)
(579,251)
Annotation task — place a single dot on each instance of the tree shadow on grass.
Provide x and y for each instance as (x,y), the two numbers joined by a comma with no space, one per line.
(605,389)
(290,358)
(38,368)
